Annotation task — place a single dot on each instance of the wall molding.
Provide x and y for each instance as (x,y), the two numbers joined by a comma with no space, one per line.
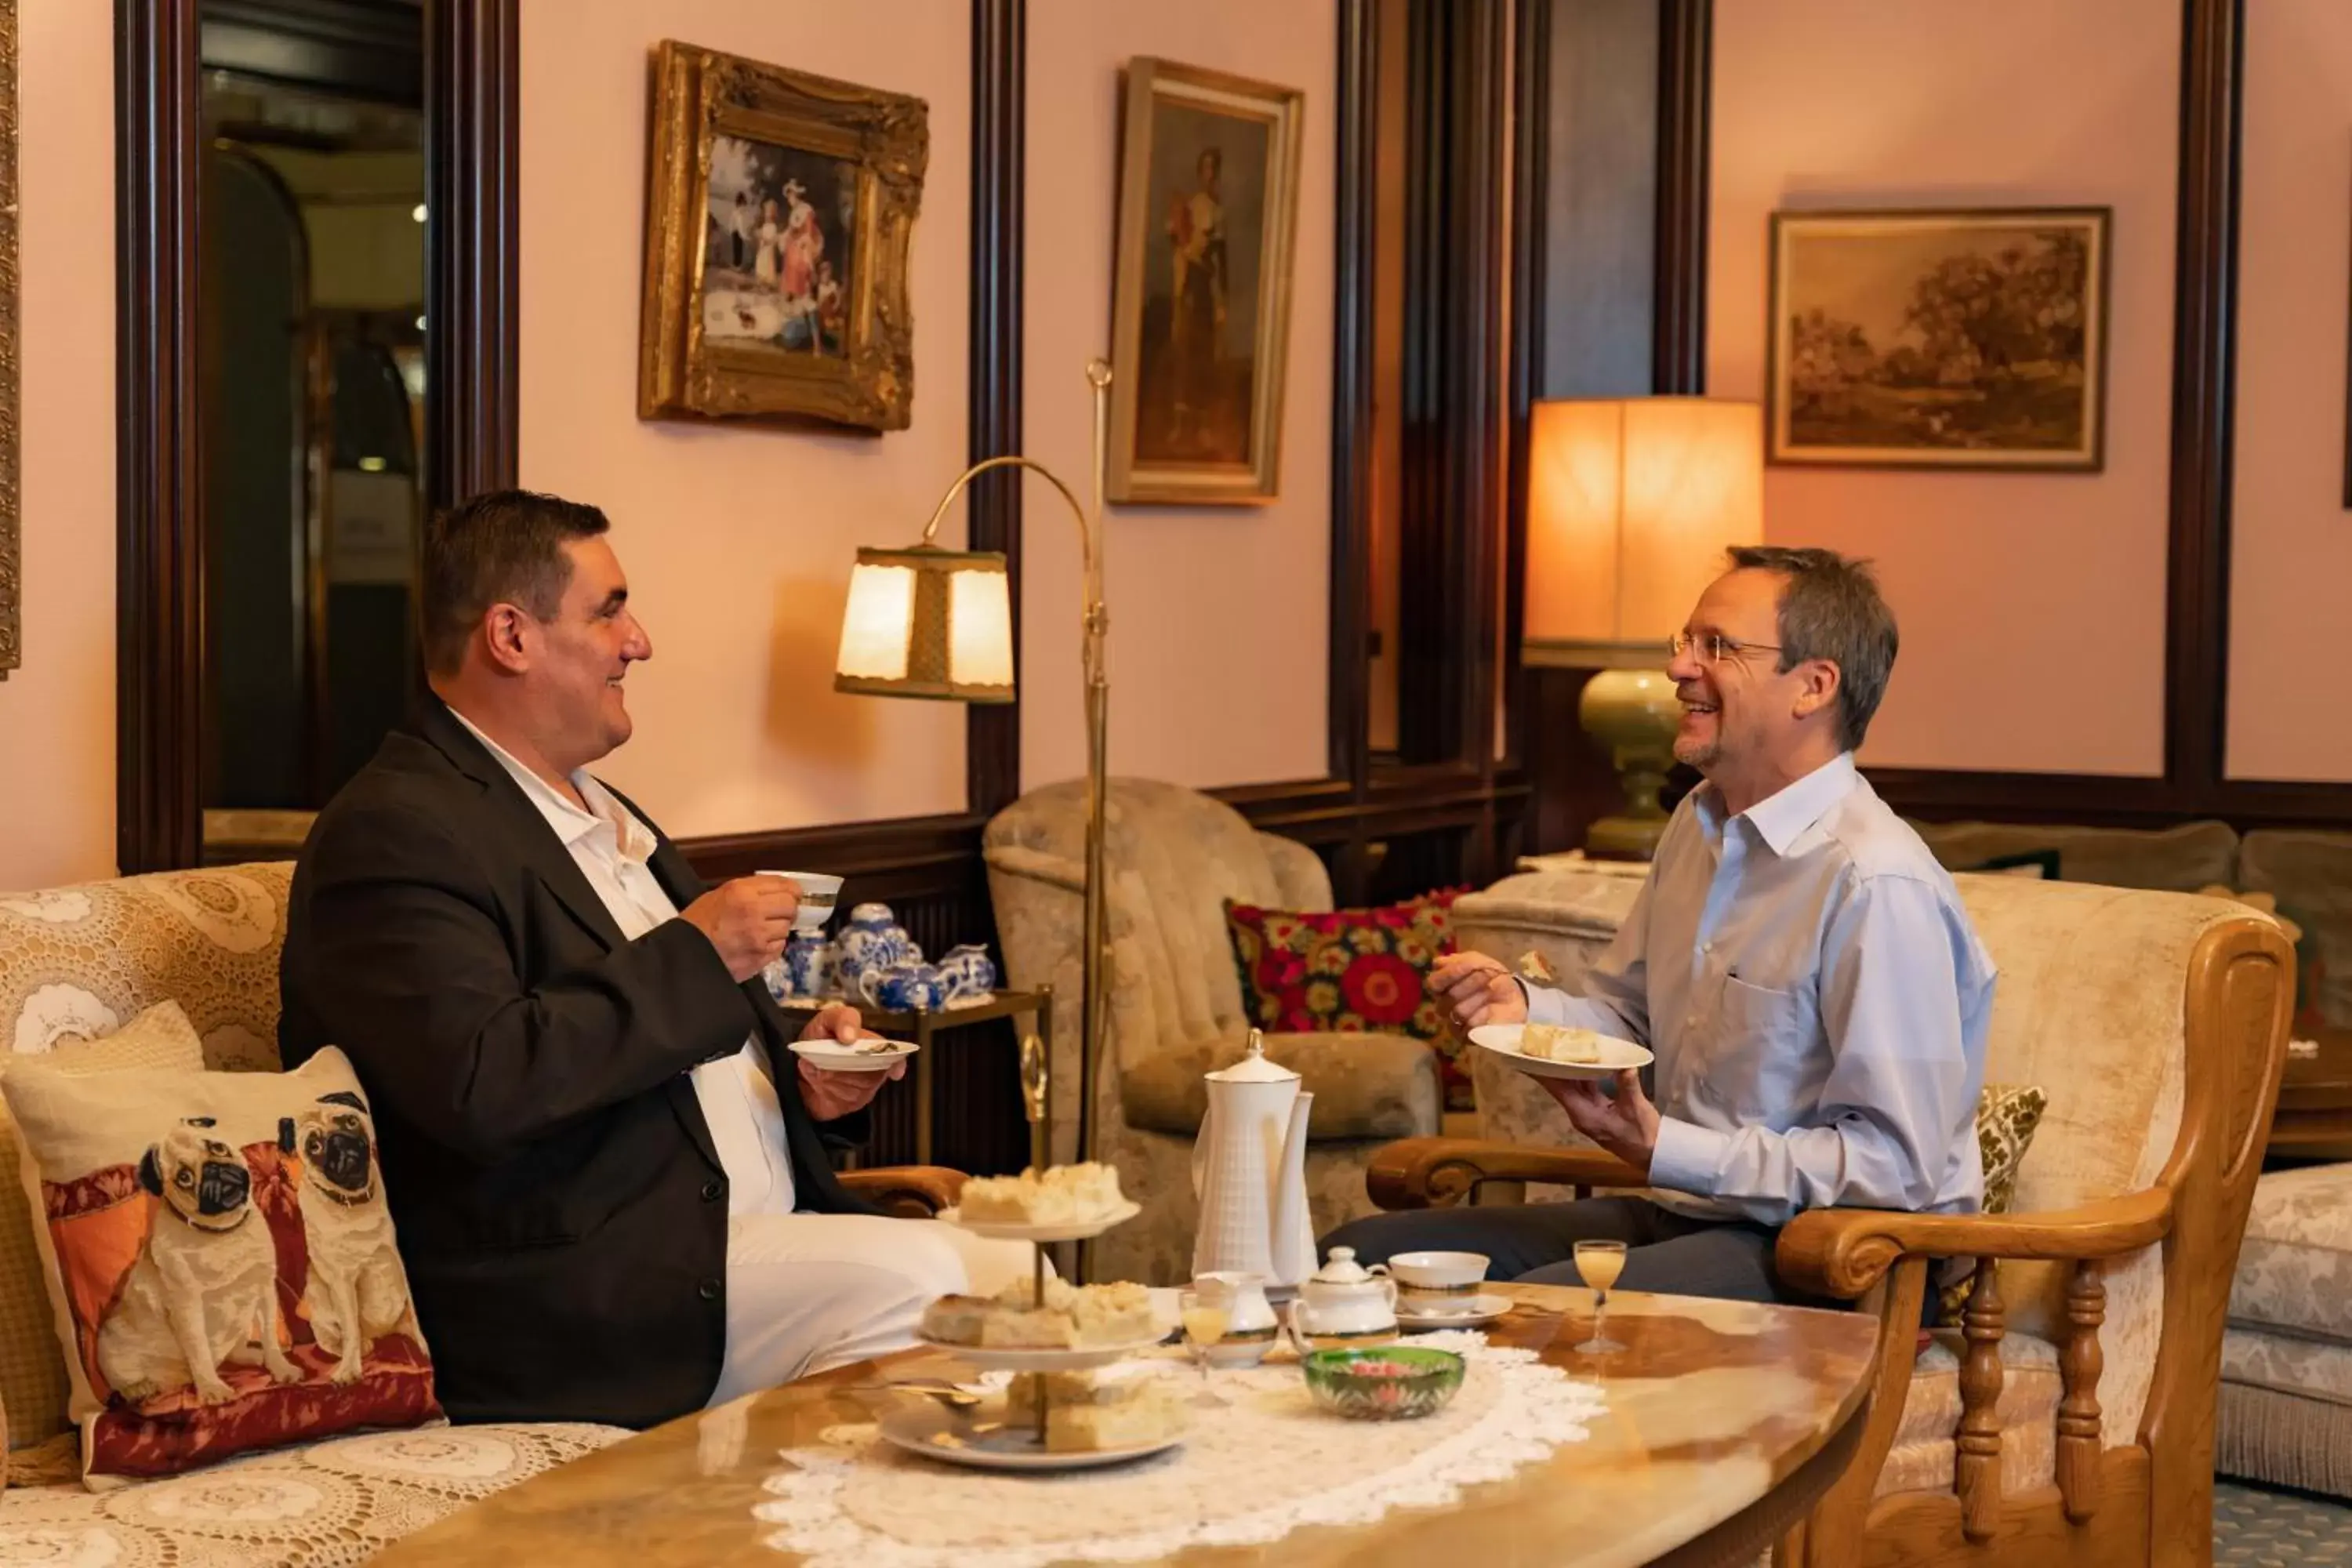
(1000,113)
(1686,93)
(473,295)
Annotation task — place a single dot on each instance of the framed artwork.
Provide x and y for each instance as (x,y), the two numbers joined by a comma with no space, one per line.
(1208,215)
(1939,340)
(779,215)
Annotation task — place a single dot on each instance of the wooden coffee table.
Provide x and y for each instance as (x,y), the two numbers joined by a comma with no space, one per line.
(1726,1422)
(2314,1103)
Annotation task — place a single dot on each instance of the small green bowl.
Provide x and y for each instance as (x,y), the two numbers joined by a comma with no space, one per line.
(1383,1382)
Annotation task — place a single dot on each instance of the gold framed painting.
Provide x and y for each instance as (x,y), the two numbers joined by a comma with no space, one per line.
(1208,218)
(1961,339)
(780,214)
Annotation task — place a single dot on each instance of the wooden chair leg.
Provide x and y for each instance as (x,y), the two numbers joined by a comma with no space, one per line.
(1831,1537)
(2079,1365)
(1978,1470)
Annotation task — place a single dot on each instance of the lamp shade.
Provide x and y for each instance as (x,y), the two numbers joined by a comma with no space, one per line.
(928,623)
(1631,505)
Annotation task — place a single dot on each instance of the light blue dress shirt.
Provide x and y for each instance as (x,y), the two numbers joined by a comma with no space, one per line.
(1817,1001)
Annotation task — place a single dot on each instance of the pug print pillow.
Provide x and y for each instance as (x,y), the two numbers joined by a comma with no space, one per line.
(221,1261)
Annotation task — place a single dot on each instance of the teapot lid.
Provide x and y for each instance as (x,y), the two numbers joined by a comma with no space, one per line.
(1255,1067)
(1343,1269)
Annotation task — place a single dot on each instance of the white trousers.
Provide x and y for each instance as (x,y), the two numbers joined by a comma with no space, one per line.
(808,1292)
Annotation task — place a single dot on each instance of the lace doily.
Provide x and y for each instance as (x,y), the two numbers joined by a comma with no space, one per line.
(1246,1475)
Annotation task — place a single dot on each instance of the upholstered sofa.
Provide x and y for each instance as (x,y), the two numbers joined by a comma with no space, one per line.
(2156,1025)
(1173,856)
(75,964)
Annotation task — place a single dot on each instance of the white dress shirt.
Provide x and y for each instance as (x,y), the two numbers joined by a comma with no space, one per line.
(1817,1001)
(738,1095)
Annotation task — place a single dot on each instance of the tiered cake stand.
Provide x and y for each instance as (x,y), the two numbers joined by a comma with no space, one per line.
(996,1444)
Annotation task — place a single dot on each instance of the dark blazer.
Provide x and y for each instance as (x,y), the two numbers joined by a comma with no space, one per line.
(559,1207)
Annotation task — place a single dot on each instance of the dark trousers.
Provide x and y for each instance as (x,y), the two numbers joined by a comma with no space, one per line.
(1536,1243)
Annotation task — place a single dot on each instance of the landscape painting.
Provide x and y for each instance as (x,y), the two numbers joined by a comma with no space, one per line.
(1972,339)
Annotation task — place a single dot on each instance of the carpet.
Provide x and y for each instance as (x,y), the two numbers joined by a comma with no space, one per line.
(2255,1526)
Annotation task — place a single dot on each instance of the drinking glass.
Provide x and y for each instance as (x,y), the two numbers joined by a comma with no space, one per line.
(1600,1262)
(1206,1316)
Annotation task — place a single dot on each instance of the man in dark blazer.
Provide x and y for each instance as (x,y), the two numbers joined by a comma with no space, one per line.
(610,1195)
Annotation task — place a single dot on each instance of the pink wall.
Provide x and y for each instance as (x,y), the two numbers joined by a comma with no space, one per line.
(1219,615)
(738,540)
(2293,537)
(2032,606)
(56,713)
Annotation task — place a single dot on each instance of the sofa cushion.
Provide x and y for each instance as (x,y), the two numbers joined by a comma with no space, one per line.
(77,962)
(221,1261)
(2311,875)
(326,1506)
(2295,1270)
(2172,859)
(2287,1363)
(2006,1115)
(1923,1454)
(32,1387)
(1349,972)
(1365,1086)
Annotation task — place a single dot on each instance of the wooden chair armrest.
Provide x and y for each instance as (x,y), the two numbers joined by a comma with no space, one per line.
(907,1192)
(1432,1172)
(1842,1252)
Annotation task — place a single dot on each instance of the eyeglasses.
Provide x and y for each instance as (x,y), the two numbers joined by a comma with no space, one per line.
(1713,647)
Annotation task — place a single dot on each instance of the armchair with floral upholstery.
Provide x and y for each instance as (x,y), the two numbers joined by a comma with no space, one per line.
(2070,1418)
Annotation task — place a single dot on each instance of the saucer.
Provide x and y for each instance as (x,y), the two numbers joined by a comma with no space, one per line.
(834,1056)
(1472,1311)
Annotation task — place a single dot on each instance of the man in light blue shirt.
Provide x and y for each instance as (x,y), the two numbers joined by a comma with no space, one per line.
(1798,962)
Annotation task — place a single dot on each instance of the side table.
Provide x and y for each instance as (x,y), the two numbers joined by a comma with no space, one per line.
(2315,1103)
(1035,1008)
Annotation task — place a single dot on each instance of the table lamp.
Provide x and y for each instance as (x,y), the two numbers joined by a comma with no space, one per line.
(926,622)
(1631,504)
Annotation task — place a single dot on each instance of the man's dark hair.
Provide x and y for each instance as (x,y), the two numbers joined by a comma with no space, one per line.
(502,548)
(1830,609)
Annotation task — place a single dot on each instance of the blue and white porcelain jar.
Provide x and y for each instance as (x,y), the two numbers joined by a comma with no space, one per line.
(966,974)
(809,965)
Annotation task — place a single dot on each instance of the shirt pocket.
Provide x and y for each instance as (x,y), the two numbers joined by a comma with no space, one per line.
(1759,1053)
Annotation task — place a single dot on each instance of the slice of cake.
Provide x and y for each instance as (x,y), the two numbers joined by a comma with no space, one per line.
(1004,1328)
(1559,1043)
(1116,1314)
(1118,1408)
(957,1319)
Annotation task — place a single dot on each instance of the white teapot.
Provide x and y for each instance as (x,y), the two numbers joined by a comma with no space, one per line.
(1344,1304)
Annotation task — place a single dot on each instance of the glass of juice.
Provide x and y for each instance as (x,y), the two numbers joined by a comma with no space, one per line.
(1206,1315)
(1600,1262)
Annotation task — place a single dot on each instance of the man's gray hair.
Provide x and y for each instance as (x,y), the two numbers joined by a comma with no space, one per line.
(1830,609)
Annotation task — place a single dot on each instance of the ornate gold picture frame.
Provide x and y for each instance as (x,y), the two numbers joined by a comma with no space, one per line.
(1208,220)
(780,213)
(12,579)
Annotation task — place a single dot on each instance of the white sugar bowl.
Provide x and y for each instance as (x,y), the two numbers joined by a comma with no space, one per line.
(1344,1304)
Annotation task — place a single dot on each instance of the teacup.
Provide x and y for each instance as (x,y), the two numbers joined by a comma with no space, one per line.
(818,891)
(1432,1282)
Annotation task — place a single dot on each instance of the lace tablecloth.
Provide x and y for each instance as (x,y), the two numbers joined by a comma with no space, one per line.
(1246,1474)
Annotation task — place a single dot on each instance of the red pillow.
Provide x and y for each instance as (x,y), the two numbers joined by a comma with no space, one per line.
(1351,970)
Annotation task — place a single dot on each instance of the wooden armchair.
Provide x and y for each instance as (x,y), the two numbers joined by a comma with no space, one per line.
(2070,1419)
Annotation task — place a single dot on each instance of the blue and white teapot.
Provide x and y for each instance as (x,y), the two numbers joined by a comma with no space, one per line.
(871,942)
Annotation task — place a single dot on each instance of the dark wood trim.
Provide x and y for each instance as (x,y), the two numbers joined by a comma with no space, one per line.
(159,599)
(473,297)
(1686,90)
(1000,48)
(895,858)
(1529,268)
(1353,493)
(2204,376)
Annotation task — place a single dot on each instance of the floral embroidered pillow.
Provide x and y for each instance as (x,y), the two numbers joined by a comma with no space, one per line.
(2007,1117)
(1361,971)
(220,1258)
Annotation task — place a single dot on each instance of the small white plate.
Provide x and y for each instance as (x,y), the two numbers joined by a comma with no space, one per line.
(834,1056)
(1472,1311)
(996,1357)
(988,1442)
(1077,1230)
(1616,1055)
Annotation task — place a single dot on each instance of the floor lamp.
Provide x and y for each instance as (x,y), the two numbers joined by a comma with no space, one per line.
(931,623)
